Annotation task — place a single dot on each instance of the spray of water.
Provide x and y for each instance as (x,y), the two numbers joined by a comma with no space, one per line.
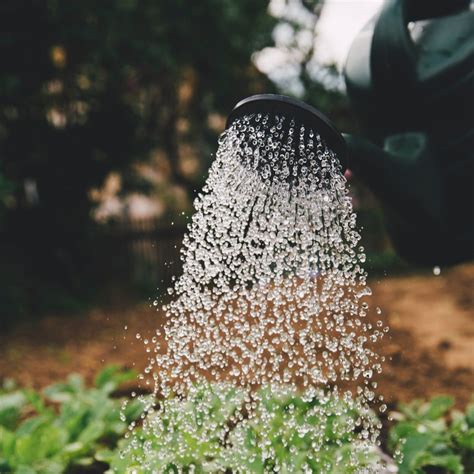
(273,293)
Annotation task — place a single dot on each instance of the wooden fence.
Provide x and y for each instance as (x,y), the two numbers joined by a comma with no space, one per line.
(142,252)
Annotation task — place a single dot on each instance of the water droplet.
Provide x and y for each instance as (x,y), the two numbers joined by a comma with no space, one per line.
(273,290)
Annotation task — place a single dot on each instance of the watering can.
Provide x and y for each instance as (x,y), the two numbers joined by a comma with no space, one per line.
(410,78)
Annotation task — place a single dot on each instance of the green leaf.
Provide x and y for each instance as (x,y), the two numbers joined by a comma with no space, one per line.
(418,410)
(7,443)
(466,440)
(48,466)
(59,393)
(92,432)
(30,425)
(438,407)
(105,455)
(42,443)
(10,406)
(85,461)
(414,446)
(470,415)
(133,409)
(430,441)
(24,469)
(74,449)
(112,377)
(76,382)
(451,462)
(38,403)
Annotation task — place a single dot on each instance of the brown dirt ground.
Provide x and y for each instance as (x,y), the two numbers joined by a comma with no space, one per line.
(429,349)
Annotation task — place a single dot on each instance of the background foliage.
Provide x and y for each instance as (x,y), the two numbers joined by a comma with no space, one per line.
(89,88)
(133,93)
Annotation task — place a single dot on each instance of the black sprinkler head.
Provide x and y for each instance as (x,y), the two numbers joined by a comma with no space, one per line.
(301,113)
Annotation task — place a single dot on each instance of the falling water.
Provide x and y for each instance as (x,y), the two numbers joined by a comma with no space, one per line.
(273,291)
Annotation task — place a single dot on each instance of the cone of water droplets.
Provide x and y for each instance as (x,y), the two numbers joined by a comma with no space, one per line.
(272,300)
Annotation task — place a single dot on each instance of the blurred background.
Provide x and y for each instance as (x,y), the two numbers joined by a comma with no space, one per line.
(109,116)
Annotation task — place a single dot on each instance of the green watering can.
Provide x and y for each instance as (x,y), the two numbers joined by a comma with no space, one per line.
(410,79)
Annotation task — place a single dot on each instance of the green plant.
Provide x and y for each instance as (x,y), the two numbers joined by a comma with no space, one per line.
(209,432)
(430,438)
(64,426)
(183,433)
(69,427)
(294,432)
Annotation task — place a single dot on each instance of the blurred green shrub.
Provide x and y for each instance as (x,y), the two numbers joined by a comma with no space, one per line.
(71,428)
(64,426)
(428,437)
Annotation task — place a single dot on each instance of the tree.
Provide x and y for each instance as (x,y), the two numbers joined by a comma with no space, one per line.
(92,87)
(295,69)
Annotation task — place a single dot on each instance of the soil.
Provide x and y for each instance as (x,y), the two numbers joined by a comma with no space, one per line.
(429,349)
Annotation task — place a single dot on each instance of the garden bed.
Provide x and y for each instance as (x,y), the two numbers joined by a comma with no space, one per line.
(429,348)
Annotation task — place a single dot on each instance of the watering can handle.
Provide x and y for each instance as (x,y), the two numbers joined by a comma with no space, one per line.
(393,54)
(424,9)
